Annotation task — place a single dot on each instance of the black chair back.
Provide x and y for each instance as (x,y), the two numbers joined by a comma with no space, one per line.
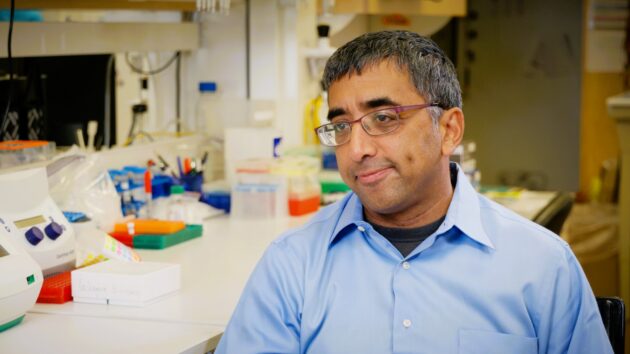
(612,311)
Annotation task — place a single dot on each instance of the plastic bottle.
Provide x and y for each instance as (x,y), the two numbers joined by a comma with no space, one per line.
(128,205)
(207,120)
(176,206)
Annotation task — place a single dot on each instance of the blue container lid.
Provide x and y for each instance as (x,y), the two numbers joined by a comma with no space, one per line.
(207,86)
(135,169)
(114,173)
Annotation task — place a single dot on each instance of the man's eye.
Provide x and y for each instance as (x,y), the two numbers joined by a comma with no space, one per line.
(341,126)
(383,117)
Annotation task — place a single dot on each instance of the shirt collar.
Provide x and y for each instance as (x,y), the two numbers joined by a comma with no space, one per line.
(351,214)
(463,212)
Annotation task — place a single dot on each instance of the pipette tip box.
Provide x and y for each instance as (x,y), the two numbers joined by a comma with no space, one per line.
(159,241)
(57,289)
(116,282)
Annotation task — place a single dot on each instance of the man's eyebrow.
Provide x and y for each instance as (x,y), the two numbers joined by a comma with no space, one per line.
(373,103)
(380,102)
(335,112)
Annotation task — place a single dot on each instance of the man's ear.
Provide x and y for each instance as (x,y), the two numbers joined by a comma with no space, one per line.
(452,128)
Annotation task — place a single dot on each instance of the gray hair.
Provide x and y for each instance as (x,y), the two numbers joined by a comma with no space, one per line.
(430,70)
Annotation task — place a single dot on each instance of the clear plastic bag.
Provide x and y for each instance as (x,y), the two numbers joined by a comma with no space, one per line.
(186,209)
(83,186)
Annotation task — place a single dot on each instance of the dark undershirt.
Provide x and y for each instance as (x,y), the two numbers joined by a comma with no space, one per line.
(406,240)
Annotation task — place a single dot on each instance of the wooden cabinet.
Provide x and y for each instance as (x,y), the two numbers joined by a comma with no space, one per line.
(407,7)
(619,109)
(181,5)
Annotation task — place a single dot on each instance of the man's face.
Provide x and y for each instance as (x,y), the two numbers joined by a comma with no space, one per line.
(393,172)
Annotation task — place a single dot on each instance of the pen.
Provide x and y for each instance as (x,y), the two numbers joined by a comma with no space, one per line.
(148,190)
(179,166)
(187,166)
(203,159)
(165,164)
(196,166)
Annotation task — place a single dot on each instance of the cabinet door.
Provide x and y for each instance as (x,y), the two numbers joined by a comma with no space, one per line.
(408,7)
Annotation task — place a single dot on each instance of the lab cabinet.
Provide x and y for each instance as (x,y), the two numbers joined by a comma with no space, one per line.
(181,5)
(406,7)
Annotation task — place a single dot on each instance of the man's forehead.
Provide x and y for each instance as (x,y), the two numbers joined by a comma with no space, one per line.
(384,81)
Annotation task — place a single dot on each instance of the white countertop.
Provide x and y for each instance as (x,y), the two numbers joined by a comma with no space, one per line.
(215,268)
(53,334)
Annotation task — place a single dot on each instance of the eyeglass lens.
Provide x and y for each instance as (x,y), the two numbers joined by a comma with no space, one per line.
(375,123)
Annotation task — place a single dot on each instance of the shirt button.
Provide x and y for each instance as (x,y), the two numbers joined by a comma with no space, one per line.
(361,228)
(406,265)
(407,323)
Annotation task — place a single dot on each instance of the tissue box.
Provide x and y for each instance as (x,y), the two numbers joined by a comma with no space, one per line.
(116,282)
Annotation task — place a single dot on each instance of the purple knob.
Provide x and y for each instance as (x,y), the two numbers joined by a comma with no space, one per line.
(34,235)
(53,230)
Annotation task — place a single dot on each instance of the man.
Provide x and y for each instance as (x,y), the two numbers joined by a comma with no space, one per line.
(414,260)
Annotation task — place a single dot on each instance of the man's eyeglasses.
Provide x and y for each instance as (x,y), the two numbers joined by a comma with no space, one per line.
(379,122)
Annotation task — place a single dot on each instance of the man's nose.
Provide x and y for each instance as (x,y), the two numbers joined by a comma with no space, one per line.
(361,144)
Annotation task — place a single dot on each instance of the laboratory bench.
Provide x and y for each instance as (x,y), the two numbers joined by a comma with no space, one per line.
(526,203)
(74,334)
(214,270)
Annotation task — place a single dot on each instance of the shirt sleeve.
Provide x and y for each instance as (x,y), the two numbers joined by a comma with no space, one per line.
(570,320)
(267,317)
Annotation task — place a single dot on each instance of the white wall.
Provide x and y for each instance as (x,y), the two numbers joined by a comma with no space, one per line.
(220,58)
(278,84)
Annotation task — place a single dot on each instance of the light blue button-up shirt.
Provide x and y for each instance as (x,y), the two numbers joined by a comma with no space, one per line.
(487,281)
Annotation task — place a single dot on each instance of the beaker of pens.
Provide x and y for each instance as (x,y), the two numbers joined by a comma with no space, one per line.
(192,182)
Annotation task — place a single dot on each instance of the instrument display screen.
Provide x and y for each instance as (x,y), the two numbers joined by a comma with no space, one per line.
(20,224)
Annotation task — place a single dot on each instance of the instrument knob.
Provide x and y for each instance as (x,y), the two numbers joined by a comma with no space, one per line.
(53,230)
(34,235)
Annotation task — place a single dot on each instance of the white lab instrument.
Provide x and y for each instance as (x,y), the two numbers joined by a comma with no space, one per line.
(32,220)
(116,282)
(20,282)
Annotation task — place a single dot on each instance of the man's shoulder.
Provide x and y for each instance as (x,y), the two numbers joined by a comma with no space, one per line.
(316,231)
(507,229)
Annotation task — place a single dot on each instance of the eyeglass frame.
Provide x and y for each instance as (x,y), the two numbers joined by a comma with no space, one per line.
(396,109)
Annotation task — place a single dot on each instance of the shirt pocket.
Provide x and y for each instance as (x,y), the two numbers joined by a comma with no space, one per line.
(485,342)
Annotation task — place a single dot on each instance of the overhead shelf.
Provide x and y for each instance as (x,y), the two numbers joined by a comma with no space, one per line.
(182,5)
(73,38)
